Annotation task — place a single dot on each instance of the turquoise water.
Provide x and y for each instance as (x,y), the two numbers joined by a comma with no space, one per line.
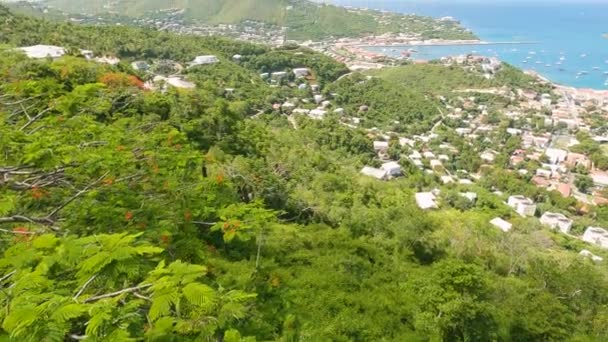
(570,48)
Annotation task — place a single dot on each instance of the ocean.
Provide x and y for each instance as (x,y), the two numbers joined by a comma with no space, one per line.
(569,46)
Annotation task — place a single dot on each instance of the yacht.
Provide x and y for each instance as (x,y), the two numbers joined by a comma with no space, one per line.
(548,65)
(584,55)
(562,58)
(532,52)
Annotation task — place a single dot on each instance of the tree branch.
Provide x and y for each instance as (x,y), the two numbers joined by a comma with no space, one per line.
(84,287)
(32,120)
(10,274)
(114,294)
(78,194)
(16,232)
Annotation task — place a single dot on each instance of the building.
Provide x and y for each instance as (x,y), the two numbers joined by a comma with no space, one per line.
(392,168)
(596,236)
(380,146)
(301,72)
(556,155)
(471,196)
(426,200)
(599,178)
(556,220)
(204,60)
(373,172)
(317,114)
(43,51)
(140,66)
(501,224)
(522,205)
(576,159)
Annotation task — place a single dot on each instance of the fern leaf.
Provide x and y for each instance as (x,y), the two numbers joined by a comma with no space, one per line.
(200,295)
(68,312)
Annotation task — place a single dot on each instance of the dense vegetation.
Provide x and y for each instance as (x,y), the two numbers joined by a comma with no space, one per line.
(304,19)
(127,214)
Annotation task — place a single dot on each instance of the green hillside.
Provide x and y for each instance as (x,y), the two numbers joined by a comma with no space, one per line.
(130,214)
(305,20)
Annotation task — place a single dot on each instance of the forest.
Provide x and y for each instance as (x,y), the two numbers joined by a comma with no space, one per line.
(197,215)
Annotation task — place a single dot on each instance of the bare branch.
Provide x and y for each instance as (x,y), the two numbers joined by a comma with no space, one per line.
(117,293)
(78,337)
(32,120)
(78,194)
(140,296)
(21,218)
(84,287)
(10,274)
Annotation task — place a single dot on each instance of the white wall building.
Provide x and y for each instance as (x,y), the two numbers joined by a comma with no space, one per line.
(203,60)
(392,168)
(557,220)
(373,172)
(426,200)
(522,205)
(501,224)
(597,236)
(43,51)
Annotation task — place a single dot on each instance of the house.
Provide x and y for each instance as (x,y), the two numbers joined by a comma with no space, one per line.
(599,178)
(596,236)
(392,168)
(447,179)
(317,114)
(428,155)
(522,205)
(501,224)
(564,189)
(471,196)
(380,146)
(279,75)
(301,72)
(237,58)
(488,156)
(591,256)
(436,164)
(43,51)
(107,60)
(374,172)
(544,173)
(556,155)
(556,220)
(576,159)
(426,200)
(177,82)
(140,66)
(204,60)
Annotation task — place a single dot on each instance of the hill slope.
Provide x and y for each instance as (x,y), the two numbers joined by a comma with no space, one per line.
(304,19)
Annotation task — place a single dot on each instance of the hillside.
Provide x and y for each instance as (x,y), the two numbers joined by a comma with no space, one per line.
(214,212)
(304,20)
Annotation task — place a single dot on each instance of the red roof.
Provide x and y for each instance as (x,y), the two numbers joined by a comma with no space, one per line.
(564,189)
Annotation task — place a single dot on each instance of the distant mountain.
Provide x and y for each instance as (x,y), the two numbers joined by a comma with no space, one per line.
(304,19)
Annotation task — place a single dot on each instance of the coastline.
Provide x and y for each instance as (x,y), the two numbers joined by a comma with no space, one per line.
(448,43)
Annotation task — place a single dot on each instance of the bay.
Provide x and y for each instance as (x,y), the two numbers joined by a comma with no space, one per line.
(570,48)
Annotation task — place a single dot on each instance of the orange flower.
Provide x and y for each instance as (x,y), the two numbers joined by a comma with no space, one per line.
(108,181)
(219,178)
(120,148)
(37,193)
(128,216)
(188,216)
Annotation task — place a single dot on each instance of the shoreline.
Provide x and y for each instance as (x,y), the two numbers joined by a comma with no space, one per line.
(447,43)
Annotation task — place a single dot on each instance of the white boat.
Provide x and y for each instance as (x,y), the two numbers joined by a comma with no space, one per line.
(562,58)
(596,68)
(532,52)
(558,63)
(524,61)
(605,72)
(584,55)
(539,62)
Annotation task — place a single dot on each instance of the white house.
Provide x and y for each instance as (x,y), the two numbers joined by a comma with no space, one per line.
(556,155)
(436,164)
(447,179)
(488,156)
(428,155)
(522,205)
(317,114)
(301,72)
(180,83)
(557,220)
(140,65)
(204,60)
(278,75)
(43,51)
(380,145)
(392,168)
(544,173)
(501,224)
(590,255)
(107,60)
(471,196)
(373,172)
(596,236)
(426,200)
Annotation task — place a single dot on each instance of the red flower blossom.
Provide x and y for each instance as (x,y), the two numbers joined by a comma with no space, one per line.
(128,216)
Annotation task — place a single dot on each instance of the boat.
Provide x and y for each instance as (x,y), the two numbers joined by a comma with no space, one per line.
(548,65)
(513,50)
(605,72)
(584,55)
(532,52)
(558,63)
(539,62)
(562,58)
(524,61)
(596,68)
